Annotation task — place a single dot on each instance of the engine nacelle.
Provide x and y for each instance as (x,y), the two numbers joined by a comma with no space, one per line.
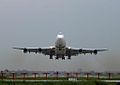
(68,52)
(95,52)
(52,53)
(25,50)
(39,50)
(80,50)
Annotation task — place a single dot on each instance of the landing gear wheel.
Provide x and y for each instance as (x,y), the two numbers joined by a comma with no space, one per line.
(51,57)
(69,57)
(63,58)
(56,58)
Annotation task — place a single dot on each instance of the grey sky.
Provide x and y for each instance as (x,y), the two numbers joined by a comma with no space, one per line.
(35,23)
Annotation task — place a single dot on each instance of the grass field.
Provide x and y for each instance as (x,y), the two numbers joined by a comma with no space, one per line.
(89,82)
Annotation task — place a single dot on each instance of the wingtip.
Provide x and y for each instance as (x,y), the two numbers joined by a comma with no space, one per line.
(106,49)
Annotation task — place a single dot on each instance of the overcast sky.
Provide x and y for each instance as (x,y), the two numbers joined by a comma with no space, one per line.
(35,23)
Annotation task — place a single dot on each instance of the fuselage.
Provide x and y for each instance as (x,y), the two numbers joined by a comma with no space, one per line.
(60,46)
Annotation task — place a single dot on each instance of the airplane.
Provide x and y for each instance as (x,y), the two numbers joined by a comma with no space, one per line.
(60,50)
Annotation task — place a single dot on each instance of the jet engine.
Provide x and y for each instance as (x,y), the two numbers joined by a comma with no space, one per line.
(68,52)
(80,51)
(25,50)
(52,52)
(39,50)
(95,52)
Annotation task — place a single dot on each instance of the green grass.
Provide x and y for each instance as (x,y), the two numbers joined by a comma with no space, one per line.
(55,83)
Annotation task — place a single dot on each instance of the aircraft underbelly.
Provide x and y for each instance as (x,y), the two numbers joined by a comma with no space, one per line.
(60,51)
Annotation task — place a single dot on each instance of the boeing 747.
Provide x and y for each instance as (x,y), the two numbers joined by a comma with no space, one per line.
(60,50)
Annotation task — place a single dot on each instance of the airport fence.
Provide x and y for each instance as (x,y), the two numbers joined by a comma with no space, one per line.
(59,76)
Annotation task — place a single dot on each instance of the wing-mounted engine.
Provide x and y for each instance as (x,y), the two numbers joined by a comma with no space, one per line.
(36,50)
(95,52)
(68,52)
(52,53)
(80,51)
(84,51)
(25,50)
(39,50)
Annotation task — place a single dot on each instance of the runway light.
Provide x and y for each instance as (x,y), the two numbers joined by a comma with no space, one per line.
(2,75)
(67,74)
(76,74)
(110,75)
(34,75)
(57,74)
(24,75)
(87,75)
(98,75)
(13,75)
(46,75)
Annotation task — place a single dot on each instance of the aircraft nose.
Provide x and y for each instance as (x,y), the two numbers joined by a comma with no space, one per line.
(60,35)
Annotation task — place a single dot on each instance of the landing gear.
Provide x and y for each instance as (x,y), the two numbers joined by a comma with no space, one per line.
(69,57)
(63,58)
(51,57)
(56,57)
(60,56)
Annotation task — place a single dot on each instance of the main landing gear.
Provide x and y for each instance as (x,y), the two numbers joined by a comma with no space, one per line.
(60,56)
(51,57)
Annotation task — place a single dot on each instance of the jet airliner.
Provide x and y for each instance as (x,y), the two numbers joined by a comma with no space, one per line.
(60,50)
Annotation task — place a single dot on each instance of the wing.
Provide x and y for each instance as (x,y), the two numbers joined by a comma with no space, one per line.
(44,50)
(76,51)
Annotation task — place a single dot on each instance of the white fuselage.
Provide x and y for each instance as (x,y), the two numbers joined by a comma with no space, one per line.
(60,46)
